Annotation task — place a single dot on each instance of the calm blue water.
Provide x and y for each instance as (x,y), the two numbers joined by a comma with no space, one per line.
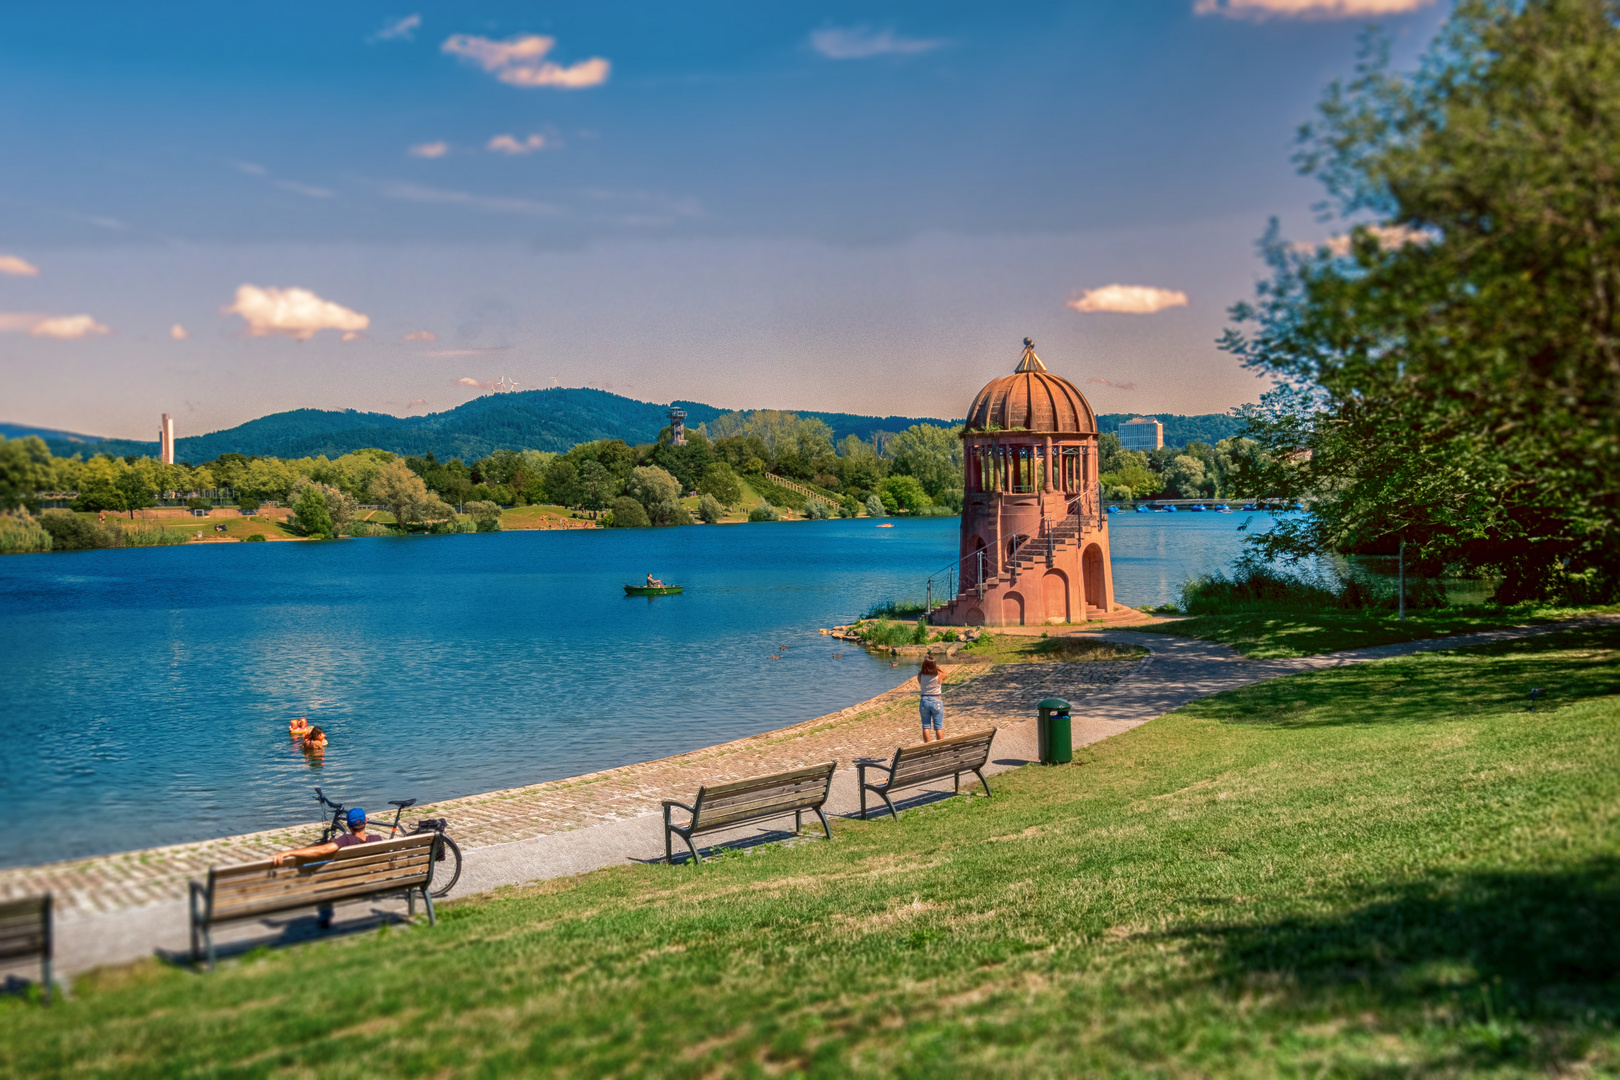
(150,689)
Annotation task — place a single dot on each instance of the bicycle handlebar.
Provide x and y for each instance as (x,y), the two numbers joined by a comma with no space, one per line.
(321,798)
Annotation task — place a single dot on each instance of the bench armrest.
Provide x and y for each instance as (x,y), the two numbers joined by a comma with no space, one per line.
(862,766)
(673,802)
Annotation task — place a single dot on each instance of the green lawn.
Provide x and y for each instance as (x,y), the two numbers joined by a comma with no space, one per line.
(1383,870)
(1278,634)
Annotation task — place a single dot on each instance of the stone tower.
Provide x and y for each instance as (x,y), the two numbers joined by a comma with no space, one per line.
(1034,544)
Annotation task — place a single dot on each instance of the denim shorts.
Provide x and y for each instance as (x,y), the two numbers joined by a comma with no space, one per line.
(933,712)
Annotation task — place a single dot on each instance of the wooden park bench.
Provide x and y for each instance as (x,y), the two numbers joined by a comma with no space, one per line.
(913,765)
(25,932)
(254,890)
(742,802)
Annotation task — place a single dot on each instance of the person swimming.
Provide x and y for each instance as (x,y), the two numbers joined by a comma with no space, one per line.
(315,741)
(298,728)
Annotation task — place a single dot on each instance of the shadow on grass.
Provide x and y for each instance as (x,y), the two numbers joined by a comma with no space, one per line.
(1495,964)
(1567,668)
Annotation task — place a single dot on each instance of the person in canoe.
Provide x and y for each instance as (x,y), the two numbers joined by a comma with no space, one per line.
(654,583)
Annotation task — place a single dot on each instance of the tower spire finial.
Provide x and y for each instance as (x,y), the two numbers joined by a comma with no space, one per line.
(1029,361)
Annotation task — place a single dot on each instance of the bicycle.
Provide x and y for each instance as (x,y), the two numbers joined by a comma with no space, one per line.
(449,850)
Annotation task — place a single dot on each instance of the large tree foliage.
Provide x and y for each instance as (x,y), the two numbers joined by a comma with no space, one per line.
(1448,371)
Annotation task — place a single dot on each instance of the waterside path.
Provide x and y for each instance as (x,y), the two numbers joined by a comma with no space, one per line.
(121,907)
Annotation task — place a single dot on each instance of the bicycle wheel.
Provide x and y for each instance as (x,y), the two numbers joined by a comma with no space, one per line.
(446,875)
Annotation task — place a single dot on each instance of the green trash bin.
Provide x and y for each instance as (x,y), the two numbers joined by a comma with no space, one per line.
(1056,740)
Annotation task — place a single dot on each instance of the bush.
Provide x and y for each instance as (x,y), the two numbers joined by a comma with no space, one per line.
(889,609)
(249,507)
(20,533)
(719,481)
(949,635)
(486,516)
(1255,584)
(310,515)
(363,528)
(816,510)
(764,513)
(628,514)
(875,507)
(255,538)
(73,532)
(199,504)
(850,507)
(151,535)
(709,509)
(884,632)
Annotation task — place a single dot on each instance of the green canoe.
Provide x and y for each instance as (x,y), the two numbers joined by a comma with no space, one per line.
(652,590)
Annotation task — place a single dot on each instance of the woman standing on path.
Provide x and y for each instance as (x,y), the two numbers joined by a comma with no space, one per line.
(932,703)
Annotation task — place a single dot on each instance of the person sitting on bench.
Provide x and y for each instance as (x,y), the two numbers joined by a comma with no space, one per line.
(356,821)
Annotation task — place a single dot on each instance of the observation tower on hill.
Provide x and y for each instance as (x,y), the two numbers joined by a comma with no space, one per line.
(1034,545)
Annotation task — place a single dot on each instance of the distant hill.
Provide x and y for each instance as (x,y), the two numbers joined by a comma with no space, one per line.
(552,419)
(1180,430)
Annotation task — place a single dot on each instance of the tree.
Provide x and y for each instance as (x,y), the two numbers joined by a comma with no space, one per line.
(906,492)
(659,493)
(138,491)
(628,514)
(309,512)
(875,507)
(597,487)
(930,453)
(25,469)
(720,483)
(561,483)
(1188,477)
(486,516)
(1448,367)
(709,510)
(401,490)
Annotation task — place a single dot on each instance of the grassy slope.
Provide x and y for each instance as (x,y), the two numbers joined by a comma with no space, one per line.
(1275,634)
(1389,869)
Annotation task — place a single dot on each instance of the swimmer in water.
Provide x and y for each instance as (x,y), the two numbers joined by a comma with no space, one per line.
(298,728)
(315,741)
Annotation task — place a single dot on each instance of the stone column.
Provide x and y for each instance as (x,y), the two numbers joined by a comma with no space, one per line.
(1048,463)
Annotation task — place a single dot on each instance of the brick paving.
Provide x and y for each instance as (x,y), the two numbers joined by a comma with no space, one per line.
(976,695)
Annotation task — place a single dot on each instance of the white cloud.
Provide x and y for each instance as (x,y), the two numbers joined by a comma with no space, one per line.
(16,267)
(496,204)
(1096,380)
(430,149)
(520,61)
(19,322)
(307,190)
(68,327)
(860,42)
(507,144)
(1128,299)
(250,168)
(297,313)
(1306,9)
(398,29)
(178,332)
(416,403)
(1389,237)
(421,335)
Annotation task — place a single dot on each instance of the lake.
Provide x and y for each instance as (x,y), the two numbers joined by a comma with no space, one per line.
(150,688)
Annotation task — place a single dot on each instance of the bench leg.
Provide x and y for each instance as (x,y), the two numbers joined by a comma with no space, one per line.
(669,850)
(45,973)
(983,781)
(410,903)
(863,800)
(196,950)
(957,780)
(824,824)
(427,899)
(696,858)
(208,940)
(892,812)
(798,822)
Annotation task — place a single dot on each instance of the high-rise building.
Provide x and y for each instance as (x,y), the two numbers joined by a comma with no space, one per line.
(1143,433)
(166,440)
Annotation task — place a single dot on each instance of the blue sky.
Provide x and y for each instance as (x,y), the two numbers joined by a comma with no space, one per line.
(221,211)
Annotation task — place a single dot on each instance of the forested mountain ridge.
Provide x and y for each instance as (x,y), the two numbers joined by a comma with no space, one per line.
(550,419)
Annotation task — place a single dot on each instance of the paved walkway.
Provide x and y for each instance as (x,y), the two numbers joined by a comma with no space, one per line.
(121,907)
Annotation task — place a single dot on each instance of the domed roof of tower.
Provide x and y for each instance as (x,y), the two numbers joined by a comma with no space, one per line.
(1032,399)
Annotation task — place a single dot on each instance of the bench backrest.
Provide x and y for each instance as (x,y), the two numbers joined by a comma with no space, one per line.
(762,796)
(260,888)
(25,927)
(944,757)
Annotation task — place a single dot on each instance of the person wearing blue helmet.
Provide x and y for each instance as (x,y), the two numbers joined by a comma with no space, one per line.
(356,821)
